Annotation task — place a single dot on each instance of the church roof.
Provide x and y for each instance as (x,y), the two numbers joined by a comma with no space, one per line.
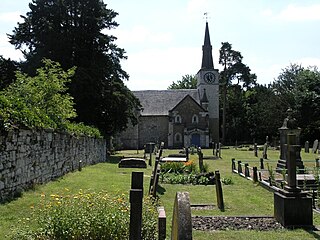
(159,102)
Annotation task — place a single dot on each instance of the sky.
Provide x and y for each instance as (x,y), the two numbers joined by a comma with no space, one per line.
(163,39)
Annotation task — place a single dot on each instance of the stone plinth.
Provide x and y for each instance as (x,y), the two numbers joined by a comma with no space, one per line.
(293,209)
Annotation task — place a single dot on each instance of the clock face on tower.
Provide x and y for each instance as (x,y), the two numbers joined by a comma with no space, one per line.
(209,77)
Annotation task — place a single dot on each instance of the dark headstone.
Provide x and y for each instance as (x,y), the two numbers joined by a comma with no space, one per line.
(220,150)
(315,146)
(132,163)
(181,220)
(306,147)
(255,149)
(136,195)
(150,147)
(265,151)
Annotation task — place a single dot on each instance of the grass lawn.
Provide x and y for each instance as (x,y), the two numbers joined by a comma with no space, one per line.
(241,198)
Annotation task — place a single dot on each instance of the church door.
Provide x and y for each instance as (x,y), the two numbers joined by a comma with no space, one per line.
(195,140)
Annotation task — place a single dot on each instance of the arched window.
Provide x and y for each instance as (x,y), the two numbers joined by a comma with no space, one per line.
(195,118)
(178,138)
(178,119)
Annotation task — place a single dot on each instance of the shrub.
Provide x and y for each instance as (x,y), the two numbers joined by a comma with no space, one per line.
(41,102)
(190,167)
(227,181)
(85,216)
(172,167)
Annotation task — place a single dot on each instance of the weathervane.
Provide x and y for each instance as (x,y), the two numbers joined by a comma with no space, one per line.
(206,16)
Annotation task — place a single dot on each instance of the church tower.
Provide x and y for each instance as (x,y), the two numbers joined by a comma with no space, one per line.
(208,83)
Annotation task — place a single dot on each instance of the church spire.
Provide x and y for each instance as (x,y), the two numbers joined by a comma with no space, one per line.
(207,62)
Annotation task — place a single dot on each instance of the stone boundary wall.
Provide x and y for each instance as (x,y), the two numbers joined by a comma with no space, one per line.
(33,157)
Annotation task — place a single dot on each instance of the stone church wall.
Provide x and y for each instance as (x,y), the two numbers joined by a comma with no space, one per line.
(34,157)
(153,129)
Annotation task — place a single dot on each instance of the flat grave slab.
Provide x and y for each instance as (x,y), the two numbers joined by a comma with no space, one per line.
(132,163)
(174,159)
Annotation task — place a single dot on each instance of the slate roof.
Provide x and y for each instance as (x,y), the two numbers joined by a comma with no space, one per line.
(159,102)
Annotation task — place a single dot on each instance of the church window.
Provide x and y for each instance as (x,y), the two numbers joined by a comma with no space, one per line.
(195,118)
(178,138)
(178,119)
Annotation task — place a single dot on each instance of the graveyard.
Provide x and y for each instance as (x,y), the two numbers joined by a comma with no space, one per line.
(248,205)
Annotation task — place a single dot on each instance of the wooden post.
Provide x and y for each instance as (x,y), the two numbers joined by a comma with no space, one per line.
(187,153)
(80,165)
(261,163)
(219,150)
(213,148)
(239,167)
(317,162)
(219,191)
(136,195)
(150,152)
(260,177)
(256,150)
(233,164)
(162,231)
(246,170)
(200,155)
(255,174)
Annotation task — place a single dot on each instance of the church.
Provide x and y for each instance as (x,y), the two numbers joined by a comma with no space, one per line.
(182,117)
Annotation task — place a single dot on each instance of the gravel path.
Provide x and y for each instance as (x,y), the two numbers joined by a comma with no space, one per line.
(205,223)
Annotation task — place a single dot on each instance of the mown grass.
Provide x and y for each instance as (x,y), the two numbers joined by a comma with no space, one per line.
(241,198)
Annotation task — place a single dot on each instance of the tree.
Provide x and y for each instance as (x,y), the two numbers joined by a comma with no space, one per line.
(74,33)
(299,89)
(187,82)
(39,101)
(233,70)
(7,72)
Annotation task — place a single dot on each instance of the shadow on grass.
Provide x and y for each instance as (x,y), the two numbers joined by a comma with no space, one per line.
(313,233)
(114,159)
(161,190)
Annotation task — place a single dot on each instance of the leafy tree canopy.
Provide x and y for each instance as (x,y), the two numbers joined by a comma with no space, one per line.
(299,88)
(7,72)
(187,82)
(75,33)
(233,67)
(41,102)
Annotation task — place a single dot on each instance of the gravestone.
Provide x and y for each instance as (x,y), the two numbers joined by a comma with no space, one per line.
(315,146)
(306,147)
(136,195)
(132,163)
(292,207)
(289,126)
(265,151)
(255,149)
(181,220)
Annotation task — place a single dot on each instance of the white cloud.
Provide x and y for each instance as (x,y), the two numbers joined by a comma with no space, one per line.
(10,17)
(300,13)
